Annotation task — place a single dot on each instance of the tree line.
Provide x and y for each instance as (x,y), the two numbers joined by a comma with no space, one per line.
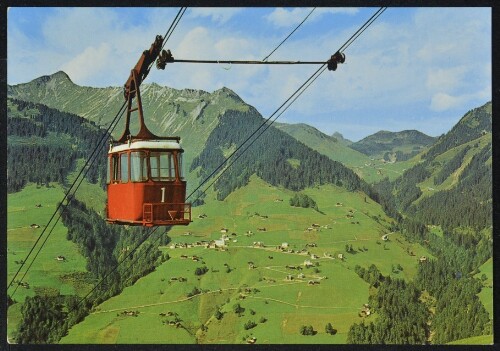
(32,156)
(45,319)
(267,158)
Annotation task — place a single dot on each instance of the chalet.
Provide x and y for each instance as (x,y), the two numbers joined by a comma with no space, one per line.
(252,340)
(423,259)
(314,257)
(172,246)
(308,263)
(258,244)
(251,265)
(284,245)
(340,256)
(195,258)
(224,230)
(301,276)
(61,258)
(289,277)
(220,243)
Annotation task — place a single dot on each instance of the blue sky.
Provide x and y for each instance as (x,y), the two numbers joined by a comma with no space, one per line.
(414,68)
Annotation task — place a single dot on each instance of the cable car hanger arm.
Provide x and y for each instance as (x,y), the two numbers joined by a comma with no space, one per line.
(166,57)
(142,67)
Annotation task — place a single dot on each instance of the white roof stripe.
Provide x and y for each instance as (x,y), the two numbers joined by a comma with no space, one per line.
(146,144)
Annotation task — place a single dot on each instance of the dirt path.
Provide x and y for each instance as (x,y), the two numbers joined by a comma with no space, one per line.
(188,298)
(302,306)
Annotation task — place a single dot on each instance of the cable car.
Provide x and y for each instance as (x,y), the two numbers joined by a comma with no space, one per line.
(145,182)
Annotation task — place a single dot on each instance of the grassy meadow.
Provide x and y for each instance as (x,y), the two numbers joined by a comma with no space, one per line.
(265,281)
(46,275)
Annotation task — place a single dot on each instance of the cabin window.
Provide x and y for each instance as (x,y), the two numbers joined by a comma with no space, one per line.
(138,166)
(124,168)
(162,166)
(181,168)
(112,174)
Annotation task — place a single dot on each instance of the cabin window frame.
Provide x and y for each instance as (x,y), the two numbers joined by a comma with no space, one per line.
(113,174)
(162,165)
(124,156)
(143,167)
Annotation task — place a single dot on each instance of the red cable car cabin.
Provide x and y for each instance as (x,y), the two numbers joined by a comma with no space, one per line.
(145,184)
(145,181)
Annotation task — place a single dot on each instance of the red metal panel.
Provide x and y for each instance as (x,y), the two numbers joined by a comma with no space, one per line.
(126,202)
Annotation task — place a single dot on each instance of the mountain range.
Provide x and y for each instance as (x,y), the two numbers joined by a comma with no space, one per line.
(380,193)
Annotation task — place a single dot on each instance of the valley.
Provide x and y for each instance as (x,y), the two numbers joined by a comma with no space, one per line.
(259,263)
(275,285)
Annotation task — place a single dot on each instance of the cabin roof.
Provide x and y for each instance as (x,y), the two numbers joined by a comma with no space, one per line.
(146,144)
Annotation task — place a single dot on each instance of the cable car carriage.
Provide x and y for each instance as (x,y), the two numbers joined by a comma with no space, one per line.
(145,182)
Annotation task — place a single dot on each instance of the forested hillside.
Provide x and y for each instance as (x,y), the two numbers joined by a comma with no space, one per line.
(275,157)
(44,144)
(393,146)
(460,209)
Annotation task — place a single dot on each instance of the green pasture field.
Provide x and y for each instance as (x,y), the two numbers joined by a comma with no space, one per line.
(476,340)
(373,171)
(46,275)
(91,194)
(486,294)
(46,271)
(264,290)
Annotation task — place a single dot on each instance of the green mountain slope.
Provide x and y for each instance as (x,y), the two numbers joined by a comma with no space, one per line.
(190,114)
(335,147)
(456,171)
(198,118)
(393,146)
(255,272)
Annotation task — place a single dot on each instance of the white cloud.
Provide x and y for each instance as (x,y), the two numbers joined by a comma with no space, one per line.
(446,79)
(217,15)
(89,63)
(285,17)
(443,102)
